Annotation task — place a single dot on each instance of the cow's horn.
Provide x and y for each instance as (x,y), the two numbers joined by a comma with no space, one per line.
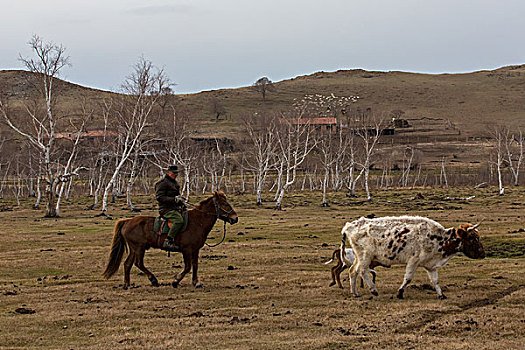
(475,226)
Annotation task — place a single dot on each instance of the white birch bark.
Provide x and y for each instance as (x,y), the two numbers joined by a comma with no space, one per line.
(144,87)
(295,144)
(40,132)
(261,130)
(515,162)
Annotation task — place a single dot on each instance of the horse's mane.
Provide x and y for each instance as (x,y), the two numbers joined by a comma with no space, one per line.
(206,200)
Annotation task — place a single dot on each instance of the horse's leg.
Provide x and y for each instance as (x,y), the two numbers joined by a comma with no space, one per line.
(127,266)
(139,262)
(195,267)
(187,267)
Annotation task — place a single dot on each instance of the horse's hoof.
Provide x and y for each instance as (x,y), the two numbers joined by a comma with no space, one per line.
(443,297)
(199,285)
(400,295)
(331,284)
(375,293)
(125,287)
(155,283)
(174,284)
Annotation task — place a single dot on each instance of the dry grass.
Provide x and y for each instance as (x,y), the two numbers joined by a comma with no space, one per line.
(276,296)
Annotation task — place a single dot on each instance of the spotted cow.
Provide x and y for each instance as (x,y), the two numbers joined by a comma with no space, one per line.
(411,240)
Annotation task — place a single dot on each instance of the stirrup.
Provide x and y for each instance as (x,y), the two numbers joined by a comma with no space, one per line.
(170,246)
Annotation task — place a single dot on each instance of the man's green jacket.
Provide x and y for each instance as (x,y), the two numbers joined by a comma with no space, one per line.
(166,190)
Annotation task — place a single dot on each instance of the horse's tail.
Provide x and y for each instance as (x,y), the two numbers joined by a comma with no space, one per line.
(117,249)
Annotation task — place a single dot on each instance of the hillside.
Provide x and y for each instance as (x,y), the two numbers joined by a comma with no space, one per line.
(470,101)
(449,114)
(18,85)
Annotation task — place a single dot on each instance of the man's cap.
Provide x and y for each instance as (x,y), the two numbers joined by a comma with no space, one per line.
(173,168)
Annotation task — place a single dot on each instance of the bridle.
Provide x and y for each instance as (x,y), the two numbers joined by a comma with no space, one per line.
(218,209)
(223,216)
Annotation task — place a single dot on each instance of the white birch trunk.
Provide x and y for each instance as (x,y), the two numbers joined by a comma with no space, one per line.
(325,185)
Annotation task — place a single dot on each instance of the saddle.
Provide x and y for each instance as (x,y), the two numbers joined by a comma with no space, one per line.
(162,226)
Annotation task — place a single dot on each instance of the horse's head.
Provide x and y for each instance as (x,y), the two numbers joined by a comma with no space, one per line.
(223,209)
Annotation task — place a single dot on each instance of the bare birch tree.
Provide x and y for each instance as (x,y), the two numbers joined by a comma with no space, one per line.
(68,171)
(408,158)
(214,163)
(142,89)
(135,162)
(369,131)
(352,163)
(42,128)
(338,153)
(99,154)
(498,135)
(331,149)
(259,154)
(295,141)
(514,146)
(181,147)
(3,166)
(443,174)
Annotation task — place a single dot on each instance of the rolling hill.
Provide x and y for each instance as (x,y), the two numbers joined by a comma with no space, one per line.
(472,101)
(452,113)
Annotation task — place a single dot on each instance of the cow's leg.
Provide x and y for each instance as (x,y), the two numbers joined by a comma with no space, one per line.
(363,268)
(334,271)
(127,267)
(409,275)
(373,275)
(139,262)
(338,274)
(433,276)
(195,267)
(187,267)
(352,276)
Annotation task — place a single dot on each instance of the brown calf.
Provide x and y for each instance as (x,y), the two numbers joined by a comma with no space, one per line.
(340,267)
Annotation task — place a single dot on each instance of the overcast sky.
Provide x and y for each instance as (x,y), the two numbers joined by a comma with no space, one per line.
(210,44)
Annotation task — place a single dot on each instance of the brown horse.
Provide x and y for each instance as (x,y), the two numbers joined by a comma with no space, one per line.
(136,234)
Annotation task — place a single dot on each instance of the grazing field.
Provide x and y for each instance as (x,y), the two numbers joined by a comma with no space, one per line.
(266,286)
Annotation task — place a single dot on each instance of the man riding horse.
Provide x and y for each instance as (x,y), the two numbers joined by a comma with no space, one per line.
(171,205)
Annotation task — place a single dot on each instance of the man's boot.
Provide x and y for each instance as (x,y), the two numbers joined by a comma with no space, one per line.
(169,245)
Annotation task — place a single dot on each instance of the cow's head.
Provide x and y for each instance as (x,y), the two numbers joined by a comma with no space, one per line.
(469,236)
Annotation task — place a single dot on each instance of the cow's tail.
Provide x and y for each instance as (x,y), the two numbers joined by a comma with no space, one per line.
(343,247)
(333,257)
(118,247)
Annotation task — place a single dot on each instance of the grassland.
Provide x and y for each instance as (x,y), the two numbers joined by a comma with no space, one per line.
(266,287)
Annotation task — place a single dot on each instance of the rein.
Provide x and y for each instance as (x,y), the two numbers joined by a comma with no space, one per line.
(222,240)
